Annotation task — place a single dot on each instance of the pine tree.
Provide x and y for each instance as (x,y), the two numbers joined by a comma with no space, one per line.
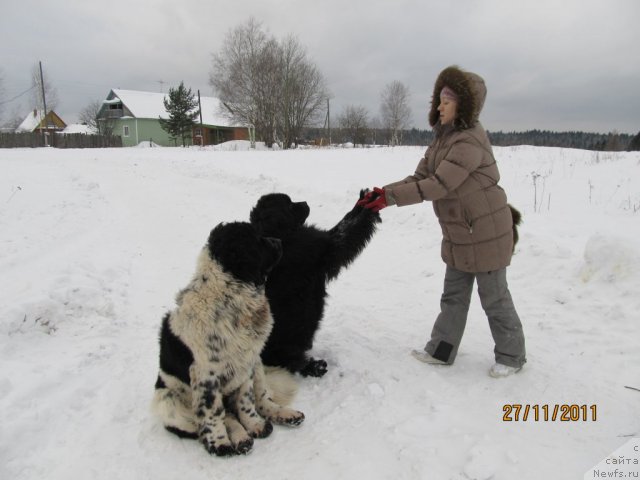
(634,145)
(182,107)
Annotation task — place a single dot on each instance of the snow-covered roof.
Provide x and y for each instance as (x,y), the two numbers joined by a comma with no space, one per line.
(32,121)
(35,118)
(78,128)
(151,105)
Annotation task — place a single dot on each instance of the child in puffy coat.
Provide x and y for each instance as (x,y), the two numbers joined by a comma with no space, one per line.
(459,175)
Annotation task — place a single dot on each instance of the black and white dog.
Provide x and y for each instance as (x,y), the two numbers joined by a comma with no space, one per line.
(212,384)
(297,286)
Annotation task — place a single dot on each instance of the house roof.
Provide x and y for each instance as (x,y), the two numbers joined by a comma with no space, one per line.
(35,118)
(79,128)
(30,123)
(151,105)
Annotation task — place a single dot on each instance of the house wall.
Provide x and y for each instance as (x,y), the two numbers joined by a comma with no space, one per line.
(147,129)
(240,133)
(216,135)
(142,130)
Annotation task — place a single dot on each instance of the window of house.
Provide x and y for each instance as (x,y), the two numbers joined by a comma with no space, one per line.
(125,130)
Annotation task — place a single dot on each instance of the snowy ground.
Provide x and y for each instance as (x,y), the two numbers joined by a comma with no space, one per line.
(94,244)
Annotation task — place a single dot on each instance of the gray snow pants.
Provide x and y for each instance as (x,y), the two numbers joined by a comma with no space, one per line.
(496,301)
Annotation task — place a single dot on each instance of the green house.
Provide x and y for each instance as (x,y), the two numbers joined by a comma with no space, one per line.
(134,115)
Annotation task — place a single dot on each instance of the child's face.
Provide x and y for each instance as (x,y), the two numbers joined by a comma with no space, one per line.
(447,109)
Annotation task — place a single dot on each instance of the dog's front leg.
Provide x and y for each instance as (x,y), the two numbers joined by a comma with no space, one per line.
(267,407)
(255,425)
(240,439)
(209,412)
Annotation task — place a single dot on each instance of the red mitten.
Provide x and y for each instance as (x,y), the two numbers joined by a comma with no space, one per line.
(366,198)
(378,200)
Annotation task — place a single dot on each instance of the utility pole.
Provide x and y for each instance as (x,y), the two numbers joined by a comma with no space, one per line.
(201,127)
(44,103)
(329,121)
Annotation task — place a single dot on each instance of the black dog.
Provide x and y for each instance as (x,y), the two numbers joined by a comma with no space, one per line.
(296,288)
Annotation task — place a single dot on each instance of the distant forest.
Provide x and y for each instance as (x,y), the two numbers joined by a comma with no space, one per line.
(540,138)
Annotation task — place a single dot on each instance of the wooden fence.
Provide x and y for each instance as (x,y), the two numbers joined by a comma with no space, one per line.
(58,140)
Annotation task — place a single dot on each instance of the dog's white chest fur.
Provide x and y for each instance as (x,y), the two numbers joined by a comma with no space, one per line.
(225,323)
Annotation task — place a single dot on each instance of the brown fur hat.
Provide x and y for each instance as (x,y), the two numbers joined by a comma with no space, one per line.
(471,91)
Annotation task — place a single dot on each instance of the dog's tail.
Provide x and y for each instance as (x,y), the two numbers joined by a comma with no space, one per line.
(517,220)
(281,384)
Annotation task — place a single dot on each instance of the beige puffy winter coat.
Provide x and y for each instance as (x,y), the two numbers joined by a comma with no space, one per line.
(459,174)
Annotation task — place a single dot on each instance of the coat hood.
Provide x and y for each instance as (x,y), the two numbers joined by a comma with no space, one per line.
(471,91)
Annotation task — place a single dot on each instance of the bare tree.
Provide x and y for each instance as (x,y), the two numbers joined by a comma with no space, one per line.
(304,93)
(266,91)
(89,115)
(100,124)
(354,121)
(395,111)
(50,92)
(375,125)
(239,71)
(14,119)
(270,85)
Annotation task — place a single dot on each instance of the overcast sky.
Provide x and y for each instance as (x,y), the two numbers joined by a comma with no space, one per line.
(555,65)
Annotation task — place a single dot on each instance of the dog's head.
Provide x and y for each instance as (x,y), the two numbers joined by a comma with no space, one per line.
(277,216)
(243,253)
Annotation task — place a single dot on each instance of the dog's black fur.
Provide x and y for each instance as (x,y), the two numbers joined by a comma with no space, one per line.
(296,288)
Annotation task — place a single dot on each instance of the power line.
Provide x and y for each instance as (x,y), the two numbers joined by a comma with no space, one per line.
(19,95)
